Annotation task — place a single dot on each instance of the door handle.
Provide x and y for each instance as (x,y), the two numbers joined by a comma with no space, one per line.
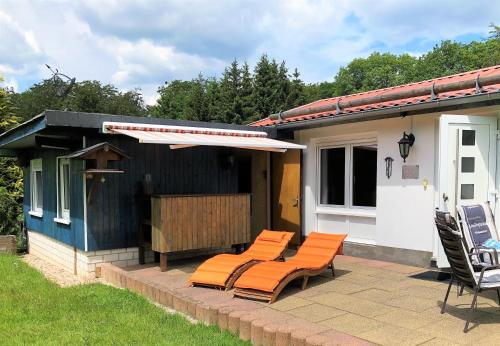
(295,202)
(445,197)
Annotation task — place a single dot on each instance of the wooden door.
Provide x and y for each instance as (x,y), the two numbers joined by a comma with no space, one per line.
(286,193)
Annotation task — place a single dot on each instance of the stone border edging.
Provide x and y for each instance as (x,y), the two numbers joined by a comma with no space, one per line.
(249,320)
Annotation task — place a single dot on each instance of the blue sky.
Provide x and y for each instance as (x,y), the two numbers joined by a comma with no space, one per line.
(133,43)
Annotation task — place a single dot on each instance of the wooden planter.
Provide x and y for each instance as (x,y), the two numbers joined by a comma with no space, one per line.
(190,222)
(8,244)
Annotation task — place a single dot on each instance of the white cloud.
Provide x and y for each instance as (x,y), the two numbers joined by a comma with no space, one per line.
(134,43)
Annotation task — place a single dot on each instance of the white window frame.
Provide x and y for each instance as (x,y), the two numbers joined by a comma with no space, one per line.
(35,209)
(347,208)
(63,211)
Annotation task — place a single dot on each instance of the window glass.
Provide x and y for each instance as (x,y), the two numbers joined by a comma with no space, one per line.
(38,190)
(467,191)
(364,176)
(468,164)
(65,175)
(333,176)
(468,137)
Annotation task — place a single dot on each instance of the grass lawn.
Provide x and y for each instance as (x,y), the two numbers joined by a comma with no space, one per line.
(34,310)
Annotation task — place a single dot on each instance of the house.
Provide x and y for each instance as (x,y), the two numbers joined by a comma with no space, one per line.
(95,186)
(378,163)
(375,165)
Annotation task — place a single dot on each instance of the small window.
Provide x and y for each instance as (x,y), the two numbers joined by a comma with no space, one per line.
(63,185)
(36,187)
(468,137)
(364,176)
(333,176)
(468,164)
(467,191)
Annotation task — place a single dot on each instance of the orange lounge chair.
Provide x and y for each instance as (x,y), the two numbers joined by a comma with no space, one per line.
(265,281)
(221,271)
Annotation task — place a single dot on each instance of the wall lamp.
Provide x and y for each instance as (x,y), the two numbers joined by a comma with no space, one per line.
(405,144)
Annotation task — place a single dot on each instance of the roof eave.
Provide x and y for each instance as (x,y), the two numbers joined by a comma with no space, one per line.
(25,129)
(471,101)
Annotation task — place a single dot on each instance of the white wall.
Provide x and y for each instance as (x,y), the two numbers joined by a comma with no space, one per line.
(405,209)
(404,212)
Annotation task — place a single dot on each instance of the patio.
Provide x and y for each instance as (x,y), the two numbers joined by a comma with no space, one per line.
(368,301)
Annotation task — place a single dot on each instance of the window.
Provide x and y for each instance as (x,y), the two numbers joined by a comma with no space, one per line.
(36,187)
(333,176)
(348,175)
(63,189)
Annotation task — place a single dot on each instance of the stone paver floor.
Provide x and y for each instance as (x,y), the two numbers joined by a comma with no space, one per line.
(376,301)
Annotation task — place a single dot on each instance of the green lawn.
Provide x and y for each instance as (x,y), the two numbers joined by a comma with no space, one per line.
(34,310)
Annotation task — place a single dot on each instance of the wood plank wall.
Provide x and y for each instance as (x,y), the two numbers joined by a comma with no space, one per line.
(192,222)
(114,213)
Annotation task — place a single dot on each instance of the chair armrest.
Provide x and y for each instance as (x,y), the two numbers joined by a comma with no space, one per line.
(481,250)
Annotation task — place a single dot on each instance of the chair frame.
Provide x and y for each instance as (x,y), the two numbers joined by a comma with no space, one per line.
(463,276)
(271,297)
(237,273)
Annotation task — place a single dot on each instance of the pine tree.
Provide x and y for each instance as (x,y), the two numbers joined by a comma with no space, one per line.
(296,96)
(198,109)
(266,87)
(247,106)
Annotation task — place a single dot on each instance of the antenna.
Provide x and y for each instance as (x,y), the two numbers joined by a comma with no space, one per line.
(63,83)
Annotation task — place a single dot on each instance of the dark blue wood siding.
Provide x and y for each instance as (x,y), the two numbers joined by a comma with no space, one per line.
(114,209)
(72,234)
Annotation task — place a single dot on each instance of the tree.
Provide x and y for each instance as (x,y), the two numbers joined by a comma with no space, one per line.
(296,97)
(11,176)
(247,106)
(266,88)
(173,100)
(375,72)
(85,96)
(197,102)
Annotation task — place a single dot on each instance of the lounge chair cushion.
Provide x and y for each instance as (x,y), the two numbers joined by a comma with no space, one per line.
(265,276)
(217,270)
(316,252)
(491,278)
(272,236)
(478,226)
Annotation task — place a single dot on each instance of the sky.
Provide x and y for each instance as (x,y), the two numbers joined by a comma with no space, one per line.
(142,44)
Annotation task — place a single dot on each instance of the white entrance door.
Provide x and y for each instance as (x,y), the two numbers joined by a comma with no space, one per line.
(467,164)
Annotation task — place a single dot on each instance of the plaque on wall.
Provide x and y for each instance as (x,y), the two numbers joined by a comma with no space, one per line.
(410,171)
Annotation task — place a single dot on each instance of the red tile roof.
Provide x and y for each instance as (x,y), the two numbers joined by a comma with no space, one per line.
(489,71)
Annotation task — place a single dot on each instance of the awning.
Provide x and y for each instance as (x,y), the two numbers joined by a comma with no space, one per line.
(184,136)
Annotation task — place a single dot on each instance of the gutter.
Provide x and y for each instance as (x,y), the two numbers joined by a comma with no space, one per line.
(470,101)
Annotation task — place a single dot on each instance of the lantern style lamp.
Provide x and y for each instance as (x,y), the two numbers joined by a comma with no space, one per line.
(405,144)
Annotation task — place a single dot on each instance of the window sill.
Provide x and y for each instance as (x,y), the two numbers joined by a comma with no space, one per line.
(347,212)
(35,213)
(63,221)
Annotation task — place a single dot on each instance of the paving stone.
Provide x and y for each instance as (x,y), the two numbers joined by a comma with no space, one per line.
(397,336)
(316,312)
(452,330)
(352,324)
(302,331)
(332,337)
(404,269)
(413,303)
(374,295)
(289,303)
(407,318)
(352,304)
